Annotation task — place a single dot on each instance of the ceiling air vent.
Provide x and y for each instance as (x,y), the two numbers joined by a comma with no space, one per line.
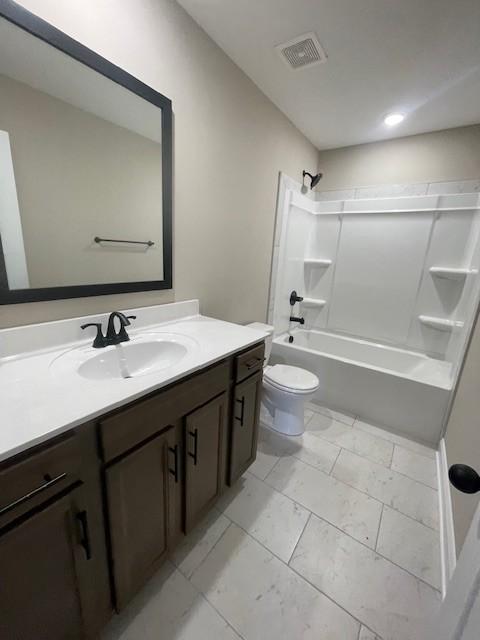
(301,52)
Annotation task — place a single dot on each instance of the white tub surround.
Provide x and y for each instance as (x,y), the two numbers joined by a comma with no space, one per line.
(405,391)
(399,270)
(392,275)
(37,403)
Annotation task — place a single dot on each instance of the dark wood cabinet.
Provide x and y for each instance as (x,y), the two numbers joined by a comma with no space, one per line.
(138,488)
(244,428)
(205,433)
(134,481)
(50,565)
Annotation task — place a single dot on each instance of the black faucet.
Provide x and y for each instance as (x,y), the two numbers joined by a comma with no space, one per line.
(294,319)
(112,336)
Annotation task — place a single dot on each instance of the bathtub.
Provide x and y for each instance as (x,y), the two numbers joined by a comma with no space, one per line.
(404,391)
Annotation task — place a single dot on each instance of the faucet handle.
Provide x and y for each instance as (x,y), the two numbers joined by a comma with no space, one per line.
(294,298)
(99,341)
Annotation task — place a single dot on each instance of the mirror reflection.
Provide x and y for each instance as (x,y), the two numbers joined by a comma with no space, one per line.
(80,172)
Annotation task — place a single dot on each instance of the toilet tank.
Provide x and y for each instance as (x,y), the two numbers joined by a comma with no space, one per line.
(267,328)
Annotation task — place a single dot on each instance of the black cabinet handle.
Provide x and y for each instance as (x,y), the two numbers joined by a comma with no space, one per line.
(464,478)
(242,410)
(193,455)
(49,483)
(174,471)
(253,363)
(85,539)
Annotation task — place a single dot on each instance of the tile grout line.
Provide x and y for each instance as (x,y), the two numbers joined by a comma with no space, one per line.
(200,593)
(293,455)
(336,460)
(347,534)
(299,538)
(276,462)
(393,455)
(311,466)
(320,437)
(213,547)
(389,505)
(327,415)
(288,566)
(229,624)
(415,479)
(357,419)
(327,596)
(346,484)
(379,527)
(373,551)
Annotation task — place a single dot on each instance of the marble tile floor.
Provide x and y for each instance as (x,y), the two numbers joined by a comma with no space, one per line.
(330,536)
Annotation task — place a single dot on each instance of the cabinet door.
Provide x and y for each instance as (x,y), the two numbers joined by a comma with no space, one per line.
(244,428)
(138,510)
(204,434)
(45,572)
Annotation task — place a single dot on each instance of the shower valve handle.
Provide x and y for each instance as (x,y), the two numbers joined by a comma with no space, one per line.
(294,298)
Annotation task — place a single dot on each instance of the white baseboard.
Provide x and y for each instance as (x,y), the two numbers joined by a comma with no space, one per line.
(447,533)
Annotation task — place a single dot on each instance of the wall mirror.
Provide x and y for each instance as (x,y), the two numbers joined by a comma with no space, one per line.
(85,170)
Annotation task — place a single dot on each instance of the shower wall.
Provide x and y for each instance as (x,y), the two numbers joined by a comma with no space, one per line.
(398,270)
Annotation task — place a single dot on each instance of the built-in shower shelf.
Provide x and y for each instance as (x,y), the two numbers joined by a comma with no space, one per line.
(449,273)
(441,324)
(314,303)
(317,262)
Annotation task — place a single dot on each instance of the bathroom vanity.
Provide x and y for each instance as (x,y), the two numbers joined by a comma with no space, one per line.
(89,513)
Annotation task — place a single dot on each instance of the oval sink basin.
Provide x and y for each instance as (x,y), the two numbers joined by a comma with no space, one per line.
(128,360)
(142,355)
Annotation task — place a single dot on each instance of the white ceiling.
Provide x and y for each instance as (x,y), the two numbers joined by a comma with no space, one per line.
(419,57)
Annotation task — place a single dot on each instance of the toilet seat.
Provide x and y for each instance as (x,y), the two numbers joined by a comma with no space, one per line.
(291,379)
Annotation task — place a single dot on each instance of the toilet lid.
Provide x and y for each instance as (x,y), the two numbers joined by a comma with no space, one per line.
(291,378)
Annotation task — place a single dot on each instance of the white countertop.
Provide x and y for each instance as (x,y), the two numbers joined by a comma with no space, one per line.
(36,404)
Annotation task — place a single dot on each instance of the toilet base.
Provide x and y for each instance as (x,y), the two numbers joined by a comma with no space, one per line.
(283,412)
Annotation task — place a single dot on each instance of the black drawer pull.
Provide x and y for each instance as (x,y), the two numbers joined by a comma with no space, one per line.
(174,471)
(31,494)
(85,539)
(253,363)
(193,455)
(242,410)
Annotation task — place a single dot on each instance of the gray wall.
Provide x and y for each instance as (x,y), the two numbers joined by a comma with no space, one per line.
(463,435)
(452,154)
(230,144)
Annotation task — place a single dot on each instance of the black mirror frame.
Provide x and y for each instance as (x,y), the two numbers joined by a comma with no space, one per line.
(28,21)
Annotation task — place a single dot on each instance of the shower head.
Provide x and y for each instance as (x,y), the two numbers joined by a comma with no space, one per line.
(314,180)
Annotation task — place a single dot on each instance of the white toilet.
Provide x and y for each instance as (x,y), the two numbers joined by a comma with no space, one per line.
(285,391)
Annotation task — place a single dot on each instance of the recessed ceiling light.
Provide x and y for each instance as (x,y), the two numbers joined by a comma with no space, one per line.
(394,118)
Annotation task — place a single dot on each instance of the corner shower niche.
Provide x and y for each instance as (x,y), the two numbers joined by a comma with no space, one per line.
(398,271)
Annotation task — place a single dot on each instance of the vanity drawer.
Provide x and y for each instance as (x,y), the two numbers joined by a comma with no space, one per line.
(34,477)
(129,427)
(249,362)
